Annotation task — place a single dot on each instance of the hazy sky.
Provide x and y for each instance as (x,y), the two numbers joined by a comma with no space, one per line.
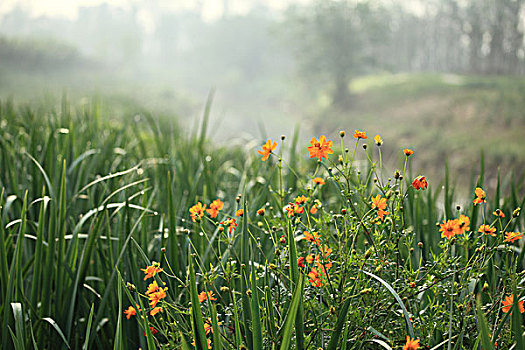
(210,8)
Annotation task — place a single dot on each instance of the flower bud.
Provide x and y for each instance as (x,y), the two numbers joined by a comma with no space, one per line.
(516,212)
(342,133)
(131,287)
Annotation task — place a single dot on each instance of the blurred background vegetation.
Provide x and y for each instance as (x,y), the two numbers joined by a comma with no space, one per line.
(444,77)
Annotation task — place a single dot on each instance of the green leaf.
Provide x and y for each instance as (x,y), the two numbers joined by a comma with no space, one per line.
(287,328)
(217,341)
(516,321)
(256,317)
(483,328)
(410,327)
(335,336)
(88,328)
(198,322)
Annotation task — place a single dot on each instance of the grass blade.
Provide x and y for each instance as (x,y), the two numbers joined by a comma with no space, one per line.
(88,328)
(410,327)
(198,322)
(483,328)
(289,321)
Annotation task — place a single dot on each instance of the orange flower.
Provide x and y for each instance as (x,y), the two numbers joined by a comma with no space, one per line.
(203,296)
(312,237)
(131,311)
(512,237)
(411,344)
(208,326)
(507,304)
(326,251)
(464,223)
(318,181)
(155,293)
(480,196)
(487,230)
(150,271)
(378,140)
(420,183)
(300,262)
(320,149)
(301,200)
(209,343)
(310,258)
(380,204)
(152,288)
(449,229)
(155,311)
(215,207)
(231,223)
(315,279)
(154,298)
(293,209)
(408,152)
(261,211)
(267,149)
(499,213)
(360,134)
(197,211)
(313,209)
(239,212)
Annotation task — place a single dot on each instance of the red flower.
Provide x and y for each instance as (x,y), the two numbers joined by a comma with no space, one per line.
(420,183)
(153,331)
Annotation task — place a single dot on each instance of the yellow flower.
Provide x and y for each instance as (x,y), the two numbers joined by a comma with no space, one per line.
(378,140)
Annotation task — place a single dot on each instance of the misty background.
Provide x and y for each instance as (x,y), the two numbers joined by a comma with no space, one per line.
(443,77)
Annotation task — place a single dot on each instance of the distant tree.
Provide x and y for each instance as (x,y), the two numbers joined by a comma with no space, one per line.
(334,41)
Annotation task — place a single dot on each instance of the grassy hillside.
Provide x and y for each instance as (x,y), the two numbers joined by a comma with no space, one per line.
(450,117)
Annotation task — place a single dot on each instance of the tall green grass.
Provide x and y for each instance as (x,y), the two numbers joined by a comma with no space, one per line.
(88,198)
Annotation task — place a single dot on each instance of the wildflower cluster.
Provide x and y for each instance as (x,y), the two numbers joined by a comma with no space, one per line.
(154,293)
(336,245)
